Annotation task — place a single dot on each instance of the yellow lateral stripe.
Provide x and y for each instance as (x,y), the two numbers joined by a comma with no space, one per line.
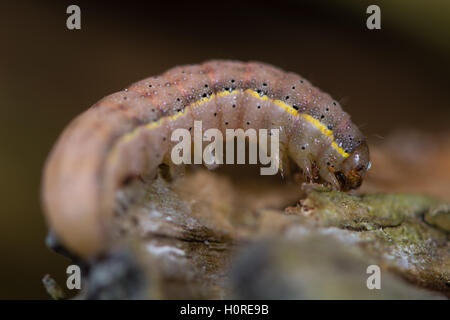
(288,108)
(177,115)
(327,132)
(339,149)
(256,95)
(279,103)
(151,125)
(319,125)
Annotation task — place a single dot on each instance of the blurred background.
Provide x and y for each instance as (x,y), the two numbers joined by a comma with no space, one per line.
(387,79)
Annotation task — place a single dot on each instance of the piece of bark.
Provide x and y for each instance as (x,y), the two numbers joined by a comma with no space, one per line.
(185,238)
(185,241)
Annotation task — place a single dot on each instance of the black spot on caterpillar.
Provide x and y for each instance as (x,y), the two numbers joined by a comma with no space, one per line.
(127,134)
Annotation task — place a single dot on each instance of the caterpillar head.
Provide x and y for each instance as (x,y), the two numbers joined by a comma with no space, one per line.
(354,168)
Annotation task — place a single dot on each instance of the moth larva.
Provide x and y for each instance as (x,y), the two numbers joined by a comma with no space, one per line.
(127,134)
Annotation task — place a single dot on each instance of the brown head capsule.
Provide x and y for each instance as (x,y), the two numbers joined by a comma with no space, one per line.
(354,168)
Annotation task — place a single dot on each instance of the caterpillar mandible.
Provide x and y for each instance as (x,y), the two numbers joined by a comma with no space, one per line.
(127,134)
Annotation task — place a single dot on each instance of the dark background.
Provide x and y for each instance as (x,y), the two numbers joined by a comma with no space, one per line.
(396,77)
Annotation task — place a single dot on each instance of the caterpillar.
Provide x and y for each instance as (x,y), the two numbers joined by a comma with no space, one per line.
(127,134)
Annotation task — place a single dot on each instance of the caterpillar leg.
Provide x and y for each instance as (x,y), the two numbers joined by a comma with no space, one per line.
(307,169)
(330,178)
(284,164)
